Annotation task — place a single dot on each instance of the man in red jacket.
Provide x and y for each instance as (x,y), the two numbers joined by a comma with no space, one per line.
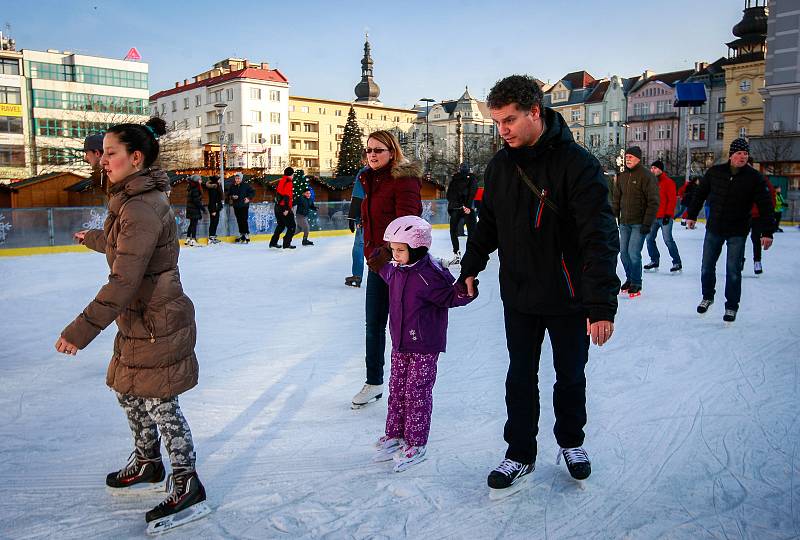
(283,211)
(667,197)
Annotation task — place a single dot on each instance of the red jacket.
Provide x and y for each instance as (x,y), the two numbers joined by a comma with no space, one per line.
(284,190)
(754,212)
(479,194)
(667,196)
(390,192)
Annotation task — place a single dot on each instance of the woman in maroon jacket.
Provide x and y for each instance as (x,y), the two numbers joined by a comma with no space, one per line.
(392,187)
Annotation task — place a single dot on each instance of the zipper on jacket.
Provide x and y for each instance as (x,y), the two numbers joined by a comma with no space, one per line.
(538,219)
(567,277)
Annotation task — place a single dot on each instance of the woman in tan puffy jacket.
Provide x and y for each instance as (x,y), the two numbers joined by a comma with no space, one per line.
(153,359)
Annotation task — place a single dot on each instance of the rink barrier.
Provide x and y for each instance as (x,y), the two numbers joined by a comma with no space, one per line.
(38,231)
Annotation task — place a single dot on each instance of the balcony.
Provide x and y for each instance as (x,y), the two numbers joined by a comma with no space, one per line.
(652,116)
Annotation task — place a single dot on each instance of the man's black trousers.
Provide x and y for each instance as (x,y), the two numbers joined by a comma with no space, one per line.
(570,344)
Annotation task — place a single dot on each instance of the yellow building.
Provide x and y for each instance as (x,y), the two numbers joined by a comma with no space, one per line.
(316,127)
(744,75)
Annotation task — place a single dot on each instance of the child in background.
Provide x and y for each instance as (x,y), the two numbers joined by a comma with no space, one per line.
(304,207)
(420,292)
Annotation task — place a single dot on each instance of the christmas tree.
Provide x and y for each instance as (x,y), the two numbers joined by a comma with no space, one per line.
(299,184)
(351,148)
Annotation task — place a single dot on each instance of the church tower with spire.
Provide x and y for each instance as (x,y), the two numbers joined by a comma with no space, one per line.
(367,91)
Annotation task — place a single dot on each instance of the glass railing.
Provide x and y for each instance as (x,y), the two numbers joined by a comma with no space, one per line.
(41,227)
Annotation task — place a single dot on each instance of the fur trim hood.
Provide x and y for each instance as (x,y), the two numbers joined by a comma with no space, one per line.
(406,169)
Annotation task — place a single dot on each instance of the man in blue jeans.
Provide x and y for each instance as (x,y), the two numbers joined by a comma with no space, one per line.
(731,189)
(354,222)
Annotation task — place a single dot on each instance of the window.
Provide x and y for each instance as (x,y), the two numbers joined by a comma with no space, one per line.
(697,132)
(274,95)
(87,74)
(174,105)
(309,162)
(12,155)
(174,125)
(594,140)
(721,104)
(9,66)
(186,103)
(256,138)
(595,118)
(229,117)
(229,94)
(639,134)
(275,117)
(304,109)
(255,93)
(338,113)
(291,108)
(10,124)
(310,128)
(322,110)
(255,116)
(198,121)
(310,145)
(275,138)
(743,133)
(576,115)
(163,109)
(10,95)
(198,100)
(51,99)
(217,96)
(615,116)
(664,131)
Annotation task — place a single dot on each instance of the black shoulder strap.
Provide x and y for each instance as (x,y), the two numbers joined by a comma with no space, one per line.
(538,192)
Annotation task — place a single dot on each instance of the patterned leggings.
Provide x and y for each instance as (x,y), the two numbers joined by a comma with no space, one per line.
(148,416)
(411,396)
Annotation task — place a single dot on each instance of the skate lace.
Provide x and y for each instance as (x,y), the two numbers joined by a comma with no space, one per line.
(705,303)
(133,464)
(573,455)
(508,467)
(176,487)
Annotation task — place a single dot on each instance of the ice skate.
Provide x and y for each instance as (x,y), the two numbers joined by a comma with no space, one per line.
(508,478)
(239,240)
(141,474)
(676,269)
(386,447)
(729,317)
(705,303)
(408,456)
(184,504)
(651,267)
(757,268)
(191,242)
(635,291)
(353,281)
(308,243)
(213,240)
(456,260)
(246,238)
(623,289)
(368,394)
(577,462)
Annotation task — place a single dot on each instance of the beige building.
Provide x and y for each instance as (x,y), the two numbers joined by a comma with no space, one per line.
(14,119)
(568,97)
(316,127)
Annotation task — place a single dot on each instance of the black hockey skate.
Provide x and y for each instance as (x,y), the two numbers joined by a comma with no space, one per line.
(577,462)
(140,469)
(508,478)
(353,281)
(184,504)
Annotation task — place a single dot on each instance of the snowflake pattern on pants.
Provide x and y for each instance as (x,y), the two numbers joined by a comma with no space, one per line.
(411,396)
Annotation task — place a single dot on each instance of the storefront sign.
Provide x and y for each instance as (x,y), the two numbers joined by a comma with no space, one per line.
(8,109)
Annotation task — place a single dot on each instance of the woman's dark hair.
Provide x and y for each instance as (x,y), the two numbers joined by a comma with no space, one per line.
(288,171)
(141,137)
(415,254)
(520,89)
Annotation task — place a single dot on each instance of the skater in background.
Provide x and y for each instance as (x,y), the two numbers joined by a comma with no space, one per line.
(194,207)
(634,203)
(780,204)
(476,203)
(557,274)
(460,197)
(731,189)
(666,209)
(214,207)
(354,222)
(304,207)
(392,187)
(240,194)
(756,228)
(685,194)
(153,360)
(284,216)
(420,293)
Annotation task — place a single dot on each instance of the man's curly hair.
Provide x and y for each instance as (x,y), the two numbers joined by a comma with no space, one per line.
(520,89)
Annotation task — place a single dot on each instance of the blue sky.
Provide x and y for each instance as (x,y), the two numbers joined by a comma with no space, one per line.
(421,49)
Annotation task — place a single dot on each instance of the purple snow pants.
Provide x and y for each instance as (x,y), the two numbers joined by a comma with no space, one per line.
(411,396)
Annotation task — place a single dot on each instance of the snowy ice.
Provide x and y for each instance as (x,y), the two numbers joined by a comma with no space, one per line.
(693,427)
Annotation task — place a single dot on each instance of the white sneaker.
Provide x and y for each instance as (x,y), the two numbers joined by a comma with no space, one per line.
(368,394)
(191,242)
(386,448)
(408,456)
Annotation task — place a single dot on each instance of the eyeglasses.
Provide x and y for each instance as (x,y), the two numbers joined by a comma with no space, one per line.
(376,150)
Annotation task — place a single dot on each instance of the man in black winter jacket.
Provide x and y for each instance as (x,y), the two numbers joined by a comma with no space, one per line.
(460,197)
(558,250)
(731,189)
(240,195)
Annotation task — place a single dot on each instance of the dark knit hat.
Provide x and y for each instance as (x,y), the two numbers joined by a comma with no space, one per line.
(658,164)
(634,151)
(93,143)
(739,145)
(195,178)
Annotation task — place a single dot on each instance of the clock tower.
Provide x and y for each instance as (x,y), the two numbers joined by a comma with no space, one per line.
(744,74)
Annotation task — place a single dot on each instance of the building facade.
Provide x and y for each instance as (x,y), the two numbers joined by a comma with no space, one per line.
(706,124)
(606,114)
(568,97)
(74,95)
(245,103)
(14,118)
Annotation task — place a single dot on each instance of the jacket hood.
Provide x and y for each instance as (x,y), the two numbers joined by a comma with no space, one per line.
(406,169)
(141,181)
(556,133)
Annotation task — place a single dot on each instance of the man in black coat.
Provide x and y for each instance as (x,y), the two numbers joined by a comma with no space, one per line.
(240,195)
(214,207)
(460,200)
(545,208)
(731,189)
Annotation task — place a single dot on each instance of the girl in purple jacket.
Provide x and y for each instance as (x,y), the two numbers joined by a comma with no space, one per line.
(420,292)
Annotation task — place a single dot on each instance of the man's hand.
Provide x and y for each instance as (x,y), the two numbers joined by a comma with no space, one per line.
(766,242)
(380,256)
(690,223)
(285,212)
(246,200)
(665,221)
(471,283)
(65,347)
(80,236)
(645,230)
(234,197)
(466,210)
(599,331)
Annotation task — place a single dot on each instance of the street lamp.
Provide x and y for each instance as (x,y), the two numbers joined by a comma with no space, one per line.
(221,117)
(428,102)
(246,145)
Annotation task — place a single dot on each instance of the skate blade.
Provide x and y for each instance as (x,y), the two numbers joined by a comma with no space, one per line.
(727,324)
(385,455)
(356,406)
(187,515)
(500,494)
(400,467)
(635,295)
(137,489)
